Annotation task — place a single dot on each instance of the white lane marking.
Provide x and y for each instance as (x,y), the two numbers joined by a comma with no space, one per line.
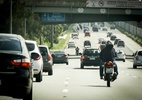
(66,83)
(67,78)
(65,90)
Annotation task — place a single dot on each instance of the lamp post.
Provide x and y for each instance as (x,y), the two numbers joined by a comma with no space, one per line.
(11,16)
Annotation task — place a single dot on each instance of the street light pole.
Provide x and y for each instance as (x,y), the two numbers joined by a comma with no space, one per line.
(11,16)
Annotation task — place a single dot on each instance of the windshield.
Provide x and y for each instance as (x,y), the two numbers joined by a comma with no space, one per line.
(10,43)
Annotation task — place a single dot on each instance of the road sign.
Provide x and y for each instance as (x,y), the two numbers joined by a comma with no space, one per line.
(53,17)
(115,3)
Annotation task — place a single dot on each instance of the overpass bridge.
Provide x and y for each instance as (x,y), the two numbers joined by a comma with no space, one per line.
(76,11)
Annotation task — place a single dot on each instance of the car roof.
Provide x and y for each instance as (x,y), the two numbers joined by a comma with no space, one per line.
(31,41)
(42,46)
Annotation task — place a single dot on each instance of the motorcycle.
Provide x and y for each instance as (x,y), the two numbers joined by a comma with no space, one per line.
(77,52)
(108,72)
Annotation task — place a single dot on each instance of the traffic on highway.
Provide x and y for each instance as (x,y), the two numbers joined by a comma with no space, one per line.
(76,76)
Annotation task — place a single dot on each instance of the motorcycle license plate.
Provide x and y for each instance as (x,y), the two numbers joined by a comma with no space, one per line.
(109,70)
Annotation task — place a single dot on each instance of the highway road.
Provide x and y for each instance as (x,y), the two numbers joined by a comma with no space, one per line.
(69,82)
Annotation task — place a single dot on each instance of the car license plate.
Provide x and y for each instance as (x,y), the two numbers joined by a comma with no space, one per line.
(109,70)
(92,58)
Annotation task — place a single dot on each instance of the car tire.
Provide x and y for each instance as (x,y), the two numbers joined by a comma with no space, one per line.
(39,77)
(82,66)
(67,63)
(134,66)
(124,60)
(30,95)
(50,72)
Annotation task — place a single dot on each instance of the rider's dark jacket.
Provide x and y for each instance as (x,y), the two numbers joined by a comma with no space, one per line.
(107,53)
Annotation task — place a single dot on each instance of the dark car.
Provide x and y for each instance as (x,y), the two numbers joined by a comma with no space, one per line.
(87,43)
(113,37)
(47,59)
(90,57)
(16,73)
(60,56)
(116,40)
(87,33)
(95,29)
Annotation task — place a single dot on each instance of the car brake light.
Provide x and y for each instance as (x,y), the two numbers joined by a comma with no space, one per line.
(82,57)
(21,62)
(48,57)
(137,58)
(65,54)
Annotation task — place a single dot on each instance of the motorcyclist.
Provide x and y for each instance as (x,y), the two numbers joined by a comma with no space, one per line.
(77,50)
(108,54)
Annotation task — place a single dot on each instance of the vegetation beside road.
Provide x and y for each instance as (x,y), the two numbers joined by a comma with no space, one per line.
(135,38)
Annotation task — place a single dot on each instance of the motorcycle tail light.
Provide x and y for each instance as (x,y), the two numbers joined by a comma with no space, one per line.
(21,62)
(109,64)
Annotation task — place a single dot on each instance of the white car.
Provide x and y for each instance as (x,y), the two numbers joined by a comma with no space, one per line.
(71,44)
(38,62)
(120,55)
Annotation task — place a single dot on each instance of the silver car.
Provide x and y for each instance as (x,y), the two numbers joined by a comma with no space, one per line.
(137,60)
(47,59)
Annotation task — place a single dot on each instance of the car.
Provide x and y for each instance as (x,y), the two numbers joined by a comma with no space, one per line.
(112,27)
(75,36)
(113,37)
(16,73)
(87,33)
(100,40)
(60,56)
(86,29)
(90,57)
(137,60)
(95,29)
(120,43)
(120,55)
(109,34)
(71,44)
(38,62)
(47,59)
(87,43)
(104,42)
(104,29)
(116,40)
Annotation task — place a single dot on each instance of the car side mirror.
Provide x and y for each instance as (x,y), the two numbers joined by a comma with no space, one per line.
(52,55)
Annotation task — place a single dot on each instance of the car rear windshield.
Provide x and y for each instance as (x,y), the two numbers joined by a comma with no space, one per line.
(140,53)
(58,52)
(43,51)
(10,43)
(30,46)
(91,52)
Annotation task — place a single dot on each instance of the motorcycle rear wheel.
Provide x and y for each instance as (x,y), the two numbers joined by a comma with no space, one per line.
(108,80)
